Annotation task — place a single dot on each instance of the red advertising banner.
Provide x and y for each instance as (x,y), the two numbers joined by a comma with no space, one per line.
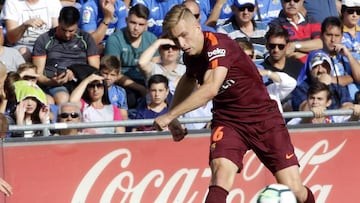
(155,169)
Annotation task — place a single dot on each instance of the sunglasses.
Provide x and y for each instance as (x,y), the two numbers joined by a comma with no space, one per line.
(168,46)
(280,46)
(353,10)
(72,114)
(287,1)
(28,77)
(197,15)
(250,8)
(97,85)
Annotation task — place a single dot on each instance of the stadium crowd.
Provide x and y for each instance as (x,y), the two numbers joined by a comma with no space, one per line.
(108,60)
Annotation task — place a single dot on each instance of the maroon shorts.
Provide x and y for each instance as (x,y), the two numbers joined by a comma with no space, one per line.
(269,139)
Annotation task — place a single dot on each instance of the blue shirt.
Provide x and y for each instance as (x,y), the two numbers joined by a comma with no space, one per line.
(225,12)
(92,17)
(352,43)
(269,9)
(320,9)
(117,96)
(158,10)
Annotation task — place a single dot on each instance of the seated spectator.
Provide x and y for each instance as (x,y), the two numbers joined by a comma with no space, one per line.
(169,65)
(110,68)
(4,127)
(128,44)
(32,107)
(158,91)
(26,20)
(304,32)
(101,18)
(9,56)
(319,100)
(277,42)
(193,6)
(158,10)
(205,9)
(27,71)
(58,49)
(3,75)
(321,9)
(69,113)
(248,48)
(91,95)
(221,11)
(242,26)
(347,68)
(8,100)
(350,16)
(267,10)
(319,67)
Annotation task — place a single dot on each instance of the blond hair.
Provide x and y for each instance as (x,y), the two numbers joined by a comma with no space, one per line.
(173,17)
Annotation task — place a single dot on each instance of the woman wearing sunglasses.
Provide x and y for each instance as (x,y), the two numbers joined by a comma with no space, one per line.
(92,96)
(242,26)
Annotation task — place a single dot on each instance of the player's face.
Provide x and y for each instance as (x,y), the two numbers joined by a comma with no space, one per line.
(331,37)
(110,76)
(319,99)
(277,48)
(66,32)
(158,93)
(136,26)
(188,37)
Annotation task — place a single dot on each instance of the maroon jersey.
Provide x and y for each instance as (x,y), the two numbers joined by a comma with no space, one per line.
(243,96)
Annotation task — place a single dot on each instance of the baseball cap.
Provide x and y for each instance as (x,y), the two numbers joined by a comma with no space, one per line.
(241,3)
(320,58)
(351,3)
(25,89)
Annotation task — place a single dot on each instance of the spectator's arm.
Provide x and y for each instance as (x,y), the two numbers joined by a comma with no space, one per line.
(215,13)
(127,82)
(100,32)
(77,93)
(16,31)
(40,61)
(94,61)
(306,46)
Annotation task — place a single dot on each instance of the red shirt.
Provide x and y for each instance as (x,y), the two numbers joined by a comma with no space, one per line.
(243,96)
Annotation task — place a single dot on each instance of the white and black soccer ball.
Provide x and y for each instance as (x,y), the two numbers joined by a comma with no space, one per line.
(276,193)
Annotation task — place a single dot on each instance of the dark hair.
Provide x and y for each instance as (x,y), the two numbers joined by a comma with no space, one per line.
(316,87)
(109,62)
(331,21)
(357,98)
(104,99)
(276,30)
(140,11)
(25,66)
(69,15)
(158,78)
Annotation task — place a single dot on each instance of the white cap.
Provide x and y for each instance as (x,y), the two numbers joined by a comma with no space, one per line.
(241,3)
(320,58)
(351,3)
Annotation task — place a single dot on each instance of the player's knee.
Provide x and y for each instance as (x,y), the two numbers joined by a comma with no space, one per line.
(224,172)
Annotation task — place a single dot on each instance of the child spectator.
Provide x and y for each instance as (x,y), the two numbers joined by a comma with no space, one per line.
(31,109)
(158,90)
(110,68)
(93,98)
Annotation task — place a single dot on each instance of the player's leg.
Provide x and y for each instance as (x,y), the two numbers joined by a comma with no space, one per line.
(290,176)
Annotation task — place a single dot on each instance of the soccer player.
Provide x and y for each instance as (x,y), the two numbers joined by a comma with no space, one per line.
(244,116)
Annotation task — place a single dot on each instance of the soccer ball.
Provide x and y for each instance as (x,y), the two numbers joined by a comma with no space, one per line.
(276,193)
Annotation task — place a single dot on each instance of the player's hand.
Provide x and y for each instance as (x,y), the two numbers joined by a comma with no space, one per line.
(161,122)
(177,131)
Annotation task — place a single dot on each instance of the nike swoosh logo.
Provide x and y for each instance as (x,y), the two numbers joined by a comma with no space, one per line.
(289,156)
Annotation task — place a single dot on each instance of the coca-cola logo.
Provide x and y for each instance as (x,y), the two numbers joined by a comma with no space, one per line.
(310,160)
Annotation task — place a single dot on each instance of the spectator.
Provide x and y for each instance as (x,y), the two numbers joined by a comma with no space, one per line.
(26,20)
(69,113)
(248,48)
(8,101)
(220,12)
(110,68)
(321,9)
(350,16)
(27,71)
(304,32)
(347,67)
(267,10)
(318,100)
(277,42)
(91,95)
(102,17)
(9,56)
(169,65)
(157,9)
(31,109)
(4,127)
(73,3)
(60,48)
(242,26)
(319,68)
(3,75)
(128,44)
(193,6)
(158,91)
(205,9)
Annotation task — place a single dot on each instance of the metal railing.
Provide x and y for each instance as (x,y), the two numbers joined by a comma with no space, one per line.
(57,126)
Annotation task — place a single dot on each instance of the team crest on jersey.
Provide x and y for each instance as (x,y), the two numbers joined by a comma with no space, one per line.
(216,53)
(86,16)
